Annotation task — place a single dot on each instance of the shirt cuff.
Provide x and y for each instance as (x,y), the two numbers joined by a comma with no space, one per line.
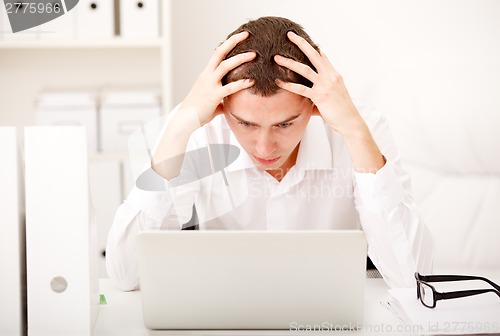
(153,204)
(379,192)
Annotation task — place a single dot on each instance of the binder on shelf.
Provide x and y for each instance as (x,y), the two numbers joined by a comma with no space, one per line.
(123,112)
(60,28)
(6,29)
(95,19)
(139,18)
(70,108)
(12,239)
(61,251)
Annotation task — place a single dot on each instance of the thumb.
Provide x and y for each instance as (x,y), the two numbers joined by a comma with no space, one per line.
(315,111)
(218,111)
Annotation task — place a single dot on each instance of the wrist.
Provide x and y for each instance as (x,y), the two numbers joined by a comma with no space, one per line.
(354,130)
(365,154)
(184,122)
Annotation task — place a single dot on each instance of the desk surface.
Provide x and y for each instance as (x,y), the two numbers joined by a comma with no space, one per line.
(122,315)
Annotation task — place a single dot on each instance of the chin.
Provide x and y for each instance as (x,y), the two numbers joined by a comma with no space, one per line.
(274,166)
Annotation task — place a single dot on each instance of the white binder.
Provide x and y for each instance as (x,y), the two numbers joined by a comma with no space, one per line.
(12,245)
(60,28)
(123,112)
(61,252)
(139,18)
(95,19)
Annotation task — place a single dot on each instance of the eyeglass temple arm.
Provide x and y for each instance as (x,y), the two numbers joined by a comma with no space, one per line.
(464,293)
(441,278)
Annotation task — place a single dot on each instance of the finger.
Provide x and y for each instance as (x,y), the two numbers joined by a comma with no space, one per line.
(300,68)
(311,53)
(233,62)
(295,88)
(228,45)
(234,87)
(218,111)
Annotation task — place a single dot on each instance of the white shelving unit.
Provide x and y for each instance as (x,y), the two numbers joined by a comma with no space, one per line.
(117,43)
(28,67)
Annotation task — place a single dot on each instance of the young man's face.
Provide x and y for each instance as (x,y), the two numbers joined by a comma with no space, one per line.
(269,128)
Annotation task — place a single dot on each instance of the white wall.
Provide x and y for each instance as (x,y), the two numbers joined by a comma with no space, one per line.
(431,66)
(362,38)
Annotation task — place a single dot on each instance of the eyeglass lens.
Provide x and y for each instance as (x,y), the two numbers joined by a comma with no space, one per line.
(426,294)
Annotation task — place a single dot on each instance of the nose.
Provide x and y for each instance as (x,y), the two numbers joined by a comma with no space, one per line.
(265,145)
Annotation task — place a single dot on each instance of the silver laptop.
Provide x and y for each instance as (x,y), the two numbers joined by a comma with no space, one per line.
(252,279)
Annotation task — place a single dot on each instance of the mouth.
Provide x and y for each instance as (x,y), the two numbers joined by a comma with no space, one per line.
(266,161)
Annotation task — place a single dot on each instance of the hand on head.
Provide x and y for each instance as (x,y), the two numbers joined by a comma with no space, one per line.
(207,92)
(328,92)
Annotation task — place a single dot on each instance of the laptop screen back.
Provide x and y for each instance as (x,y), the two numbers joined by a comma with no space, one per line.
(252,279)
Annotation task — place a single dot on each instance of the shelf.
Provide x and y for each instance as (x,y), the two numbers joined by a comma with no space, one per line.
(116,43)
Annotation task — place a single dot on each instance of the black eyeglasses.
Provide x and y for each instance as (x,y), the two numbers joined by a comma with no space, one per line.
(429,296)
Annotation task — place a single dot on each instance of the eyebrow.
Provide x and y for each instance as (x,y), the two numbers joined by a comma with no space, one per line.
(279,123)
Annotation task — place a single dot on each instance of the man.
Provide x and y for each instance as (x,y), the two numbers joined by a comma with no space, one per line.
(310,158)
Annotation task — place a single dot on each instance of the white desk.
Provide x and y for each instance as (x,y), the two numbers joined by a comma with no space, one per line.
(122,315)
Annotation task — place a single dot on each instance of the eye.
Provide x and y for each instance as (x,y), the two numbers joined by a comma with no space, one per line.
(245,124)
(284,125)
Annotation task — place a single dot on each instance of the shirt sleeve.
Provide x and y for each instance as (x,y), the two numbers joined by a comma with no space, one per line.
(141,211)
(399,242)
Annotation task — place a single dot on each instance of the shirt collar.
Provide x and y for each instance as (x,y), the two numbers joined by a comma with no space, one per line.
(315,151)
(243,161)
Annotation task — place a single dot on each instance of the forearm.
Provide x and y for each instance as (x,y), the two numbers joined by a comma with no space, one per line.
(142,211)
(398,249)
(365,154)
(169,155)
(399,241)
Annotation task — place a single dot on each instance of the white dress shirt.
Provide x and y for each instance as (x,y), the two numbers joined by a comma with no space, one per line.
(322,191)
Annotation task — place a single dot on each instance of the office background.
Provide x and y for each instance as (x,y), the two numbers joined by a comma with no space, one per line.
(432,67)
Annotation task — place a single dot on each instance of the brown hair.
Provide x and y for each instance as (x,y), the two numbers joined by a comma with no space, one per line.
(268,37)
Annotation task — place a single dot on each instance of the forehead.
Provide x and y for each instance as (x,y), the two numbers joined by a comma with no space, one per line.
(275,108)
